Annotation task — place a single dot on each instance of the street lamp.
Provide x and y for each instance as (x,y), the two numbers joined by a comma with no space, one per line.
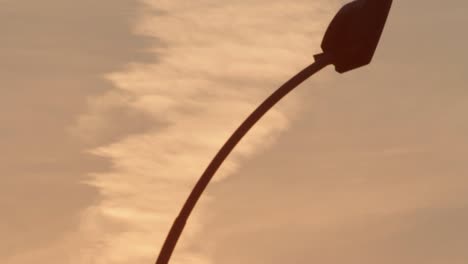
(349,42)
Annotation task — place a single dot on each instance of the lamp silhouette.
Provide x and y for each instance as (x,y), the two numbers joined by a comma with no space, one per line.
(349,42)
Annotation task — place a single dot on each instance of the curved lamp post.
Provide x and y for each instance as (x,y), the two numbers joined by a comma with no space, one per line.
(349,42)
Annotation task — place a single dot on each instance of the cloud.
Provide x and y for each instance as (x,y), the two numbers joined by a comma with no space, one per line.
(54,54)
(218,62)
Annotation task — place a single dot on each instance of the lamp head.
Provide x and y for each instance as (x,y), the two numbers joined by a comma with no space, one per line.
(352,36)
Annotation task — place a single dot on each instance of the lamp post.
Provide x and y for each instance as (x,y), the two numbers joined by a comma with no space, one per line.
(349,42)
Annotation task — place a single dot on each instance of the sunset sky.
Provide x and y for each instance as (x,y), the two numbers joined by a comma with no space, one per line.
(112,109)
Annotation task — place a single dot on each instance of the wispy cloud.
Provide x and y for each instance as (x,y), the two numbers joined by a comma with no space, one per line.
(218,61)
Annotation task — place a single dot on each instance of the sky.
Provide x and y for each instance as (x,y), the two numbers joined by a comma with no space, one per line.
(111,110)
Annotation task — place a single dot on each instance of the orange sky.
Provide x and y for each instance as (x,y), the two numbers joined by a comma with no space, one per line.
(112,109)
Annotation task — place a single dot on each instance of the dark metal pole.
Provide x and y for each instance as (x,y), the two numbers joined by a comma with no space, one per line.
(179,223)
